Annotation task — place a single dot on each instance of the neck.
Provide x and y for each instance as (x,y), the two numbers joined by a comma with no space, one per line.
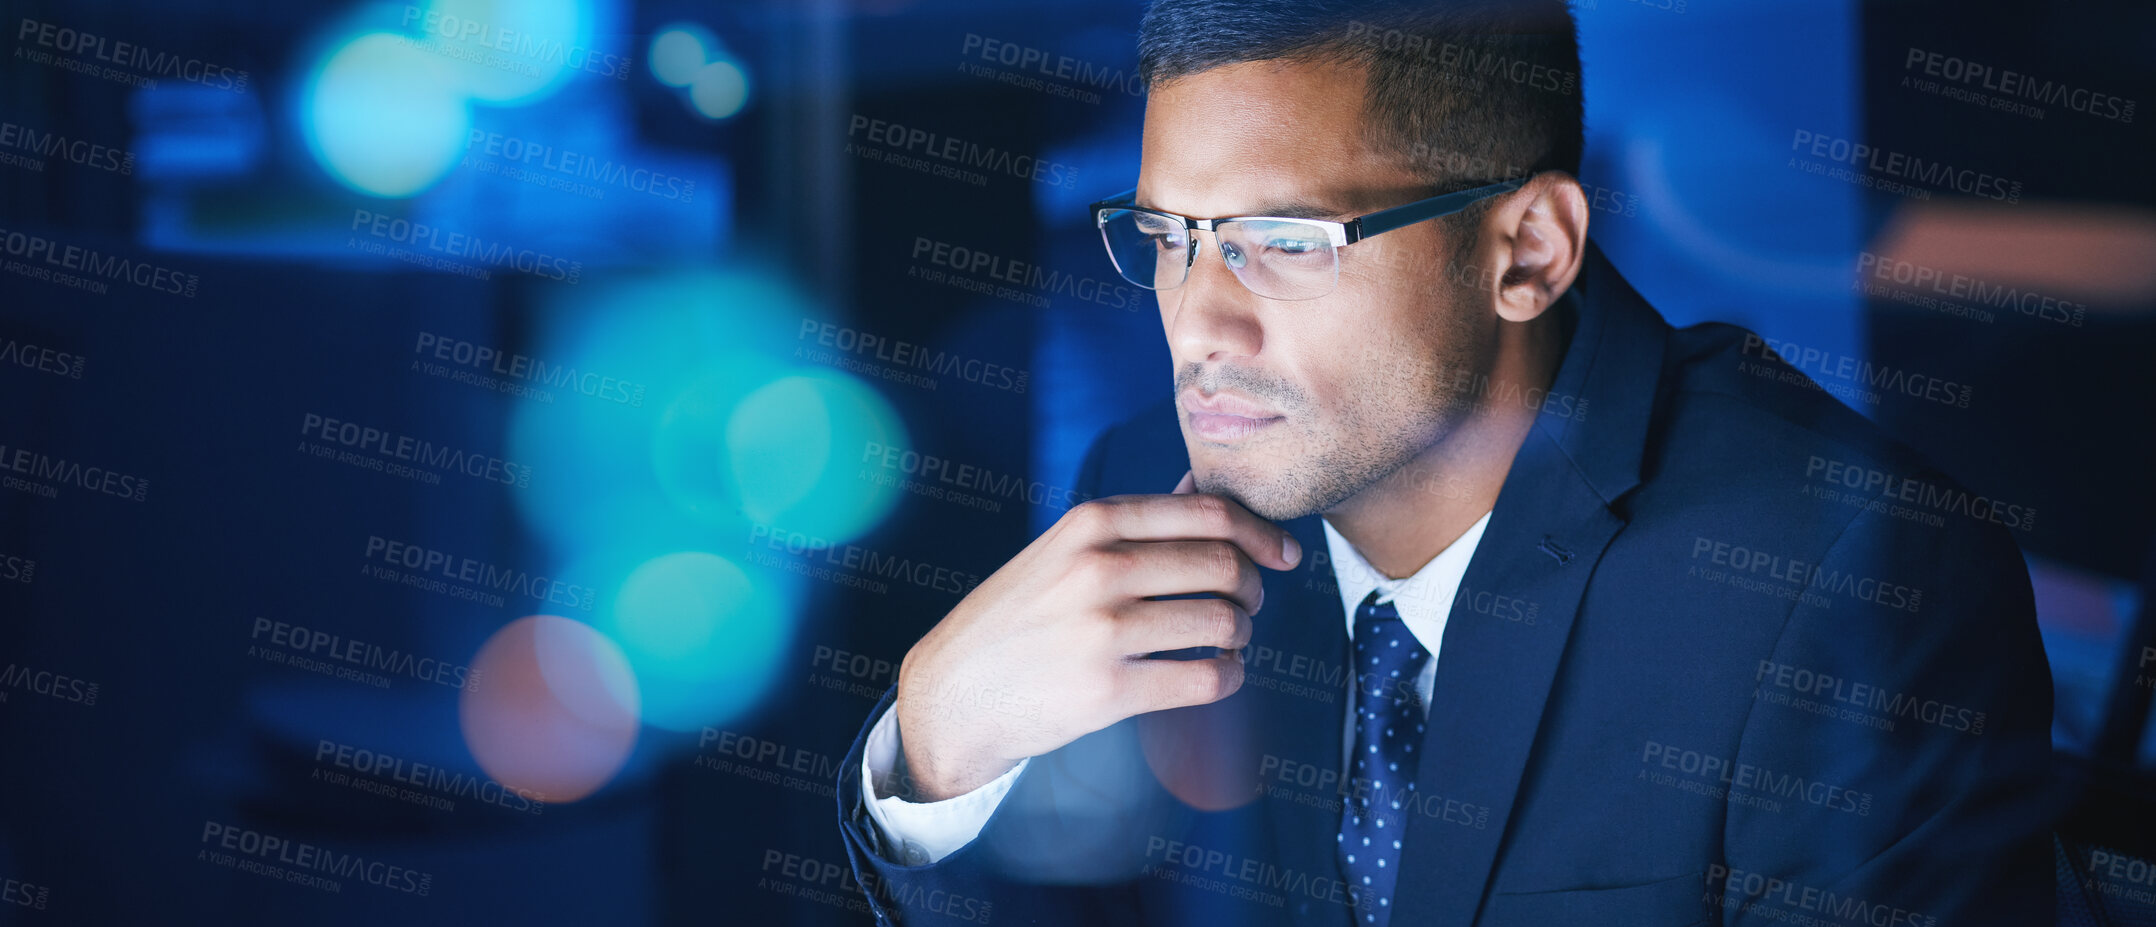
(1410,516)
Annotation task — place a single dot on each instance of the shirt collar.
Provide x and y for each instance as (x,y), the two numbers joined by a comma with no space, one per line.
(1424,599)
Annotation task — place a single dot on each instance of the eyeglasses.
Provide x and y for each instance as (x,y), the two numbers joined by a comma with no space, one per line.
(1277,258)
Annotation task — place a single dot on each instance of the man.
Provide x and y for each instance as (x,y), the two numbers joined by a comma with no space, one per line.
(1482,596)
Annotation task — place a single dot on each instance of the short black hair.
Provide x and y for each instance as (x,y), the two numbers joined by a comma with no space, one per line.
(1464,91)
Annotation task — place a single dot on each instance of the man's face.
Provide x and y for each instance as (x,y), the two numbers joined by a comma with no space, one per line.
(1292,407)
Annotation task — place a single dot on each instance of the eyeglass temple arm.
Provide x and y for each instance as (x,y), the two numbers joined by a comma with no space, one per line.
(1126,198)
(1388,219)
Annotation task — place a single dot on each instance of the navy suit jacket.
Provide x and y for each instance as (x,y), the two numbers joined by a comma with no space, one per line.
(1725,655)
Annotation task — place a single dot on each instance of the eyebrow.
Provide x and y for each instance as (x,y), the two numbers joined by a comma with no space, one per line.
(1289,210)
(1300,211)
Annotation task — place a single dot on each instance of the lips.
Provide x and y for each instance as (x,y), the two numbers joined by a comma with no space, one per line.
(1227,416)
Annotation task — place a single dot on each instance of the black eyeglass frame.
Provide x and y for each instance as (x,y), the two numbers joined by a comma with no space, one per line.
(1341,234)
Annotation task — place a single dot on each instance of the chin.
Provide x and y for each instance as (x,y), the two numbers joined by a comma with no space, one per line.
(1261,490)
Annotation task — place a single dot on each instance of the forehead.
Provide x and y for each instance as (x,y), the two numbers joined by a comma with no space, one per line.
(1231,139)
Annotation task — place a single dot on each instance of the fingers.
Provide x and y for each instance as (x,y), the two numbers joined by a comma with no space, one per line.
(1157,685)
(1154,568)
(1190,516)
(1173,624)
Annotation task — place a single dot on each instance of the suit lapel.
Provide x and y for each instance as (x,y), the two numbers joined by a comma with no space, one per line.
(1549,529)
(1494,674)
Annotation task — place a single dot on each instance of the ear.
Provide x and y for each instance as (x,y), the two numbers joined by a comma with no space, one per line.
(1539,233)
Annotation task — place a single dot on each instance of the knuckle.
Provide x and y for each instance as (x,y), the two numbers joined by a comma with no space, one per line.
(1225,677)
(1094,569)
(1223,564)
(1217,619)
(1092,513)
(1212,513)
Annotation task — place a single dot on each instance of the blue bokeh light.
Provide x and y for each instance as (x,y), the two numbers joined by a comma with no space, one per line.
(800,449)
(511,51)
(715,431)
(678,52)
(383,117)
(703,635)
(720,89)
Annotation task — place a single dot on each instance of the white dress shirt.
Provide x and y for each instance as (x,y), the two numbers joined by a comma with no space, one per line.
(922,833)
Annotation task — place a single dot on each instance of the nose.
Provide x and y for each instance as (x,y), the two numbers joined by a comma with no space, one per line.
(1212,316)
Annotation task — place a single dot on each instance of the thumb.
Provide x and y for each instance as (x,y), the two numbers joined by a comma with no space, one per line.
(1189,484)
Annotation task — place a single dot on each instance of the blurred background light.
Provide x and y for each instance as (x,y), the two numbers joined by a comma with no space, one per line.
(555,710)
(719,89)
(511,51)
(383,117)
(703,636)
(704,354)
(678,52)
(719,435)
(804,449)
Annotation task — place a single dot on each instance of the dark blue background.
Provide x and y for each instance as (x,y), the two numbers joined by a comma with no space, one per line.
(711,303)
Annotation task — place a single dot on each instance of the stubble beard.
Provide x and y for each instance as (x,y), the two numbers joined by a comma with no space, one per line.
(1329,459)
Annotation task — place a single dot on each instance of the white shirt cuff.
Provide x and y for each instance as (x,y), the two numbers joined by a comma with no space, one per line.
(919,834)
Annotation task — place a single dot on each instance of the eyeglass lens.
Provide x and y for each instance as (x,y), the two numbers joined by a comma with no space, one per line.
(1279,259)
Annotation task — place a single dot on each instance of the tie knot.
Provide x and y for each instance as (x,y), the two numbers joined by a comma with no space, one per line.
(1376,609)
(1387,656)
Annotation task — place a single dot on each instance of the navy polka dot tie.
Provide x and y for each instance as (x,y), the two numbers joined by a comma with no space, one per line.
(1388,726)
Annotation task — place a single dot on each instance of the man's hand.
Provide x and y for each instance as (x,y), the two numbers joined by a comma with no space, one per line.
(1052,646)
